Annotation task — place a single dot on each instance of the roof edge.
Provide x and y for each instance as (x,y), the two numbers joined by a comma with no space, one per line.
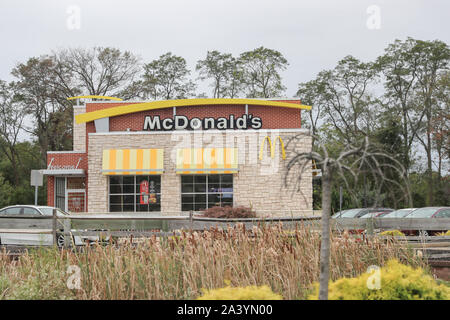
(154,105)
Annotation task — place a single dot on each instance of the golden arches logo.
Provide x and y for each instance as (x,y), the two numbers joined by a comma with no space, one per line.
(272,147)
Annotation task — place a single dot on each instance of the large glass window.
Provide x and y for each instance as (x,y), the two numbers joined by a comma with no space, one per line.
(199,192)
(134,193)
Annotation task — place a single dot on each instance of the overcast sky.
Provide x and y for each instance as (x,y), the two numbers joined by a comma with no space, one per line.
(312,35)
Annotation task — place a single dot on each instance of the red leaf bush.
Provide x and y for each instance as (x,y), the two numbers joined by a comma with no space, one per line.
(228,212)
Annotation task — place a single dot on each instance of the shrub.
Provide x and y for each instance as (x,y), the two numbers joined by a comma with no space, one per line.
(398,282)
(240,293)
(444,233)
(392,233)
(229,212)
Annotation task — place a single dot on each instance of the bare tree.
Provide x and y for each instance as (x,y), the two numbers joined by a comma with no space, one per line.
(99,71)
(348,165)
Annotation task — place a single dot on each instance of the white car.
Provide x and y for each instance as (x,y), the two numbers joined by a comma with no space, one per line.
(27,218)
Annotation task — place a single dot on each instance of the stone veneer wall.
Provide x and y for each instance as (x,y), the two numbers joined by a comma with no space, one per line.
(259,184)
(79,130)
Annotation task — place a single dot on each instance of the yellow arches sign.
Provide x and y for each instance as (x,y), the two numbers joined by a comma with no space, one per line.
(272,147)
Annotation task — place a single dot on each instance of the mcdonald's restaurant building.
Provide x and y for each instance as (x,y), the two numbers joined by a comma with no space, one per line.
(175,156)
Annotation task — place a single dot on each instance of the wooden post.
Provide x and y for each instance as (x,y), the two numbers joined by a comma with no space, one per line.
(67,228)
(370,226)
(164,225)
(55,242)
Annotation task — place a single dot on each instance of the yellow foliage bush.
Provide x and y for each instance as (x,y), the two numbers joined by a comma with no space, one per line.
(392,233)
(444,233)
(240,293)
(398,282)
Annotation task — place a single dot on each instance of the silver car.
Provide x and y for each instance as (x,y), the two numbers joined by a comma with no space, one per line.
(28,218)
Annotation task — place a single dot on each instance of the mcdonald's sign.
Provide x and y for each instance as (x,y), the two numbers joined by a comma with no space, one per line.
(272,147)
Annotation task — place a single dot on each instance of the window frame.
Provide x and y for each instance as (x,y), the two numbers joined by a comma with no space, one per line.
(206,192)
(134,194)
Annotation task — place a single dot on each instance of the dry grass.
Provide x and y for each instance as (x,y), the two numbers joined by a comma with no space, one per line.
(178,267)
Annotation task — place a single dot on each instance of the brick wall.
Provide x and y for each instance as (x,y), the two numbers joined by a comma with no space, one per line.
(272,117)
(68,159)
(259,184)
(63,159)
(51,191)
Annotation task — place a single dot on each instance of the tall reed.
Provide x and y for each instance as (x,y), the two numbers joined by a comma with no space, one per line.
(178,267)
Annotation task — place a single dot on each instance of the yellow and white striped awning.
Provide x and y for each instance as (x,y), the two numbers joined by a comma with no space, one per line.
(207,160)
(133,161)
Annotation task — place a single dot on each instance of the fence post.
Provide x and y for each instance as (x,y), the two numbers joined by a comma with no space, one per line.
(67,228)
(190,220)
(165,226)
(55,243)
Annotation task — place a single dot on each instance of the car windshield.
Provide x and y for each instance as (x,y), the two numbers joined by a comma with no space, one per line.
(423,213)
(399,213)
(350,213)
(337,214)
(47,211)
(370,215)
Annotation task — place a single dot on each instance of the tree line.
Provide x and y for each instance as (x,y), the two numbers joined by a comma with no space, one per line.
(400,101)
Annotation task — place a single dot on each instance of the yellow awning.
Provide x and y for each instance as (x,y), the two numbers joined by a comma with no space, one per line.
(133,161)
(207,160)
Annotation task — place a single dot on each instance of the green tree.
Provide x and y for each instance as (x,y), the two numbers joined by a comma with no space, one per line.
(12,116)
(433,58)
(223,69)
(441,121)
(45,100)
(343,99)
(398,65)
(166,78)
(261,72)
(6,191)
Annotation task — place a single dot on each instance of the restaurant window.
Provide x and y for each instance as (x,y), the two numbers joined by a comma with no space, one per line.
(199,192)
(135,193)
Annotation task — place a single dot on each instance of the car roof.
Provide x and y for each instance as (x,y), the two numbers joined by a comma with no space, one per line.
(26,206)
(20,206)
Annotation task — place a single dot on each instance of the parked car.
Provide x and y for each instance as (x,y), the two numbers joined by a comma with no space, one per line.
(376,214)
(31,217)
(339,213)
(400,213)
(359,212)
(431,213)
